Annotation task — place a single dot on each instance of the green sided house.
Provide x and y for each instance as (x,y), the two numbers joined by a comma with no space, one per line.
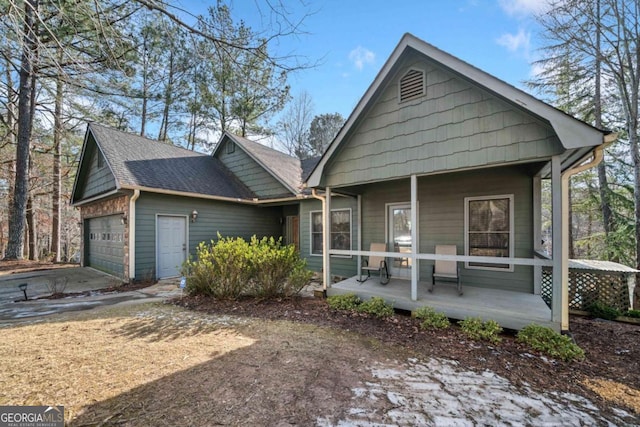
(440,154)
(436,155)
(145,205)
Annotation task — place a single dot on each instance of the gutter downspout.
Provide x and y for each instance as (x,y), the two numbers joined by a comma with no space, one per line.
(132,234)
(598,155)
(325,255)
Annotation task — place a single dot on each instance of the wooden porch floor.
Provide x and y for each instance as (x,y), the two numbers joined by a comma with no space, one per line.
(512,310)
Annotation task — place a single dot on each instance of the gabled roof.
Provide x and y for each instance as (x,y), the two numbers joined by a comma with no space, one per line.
(572,133)
(285,169)
(141,163)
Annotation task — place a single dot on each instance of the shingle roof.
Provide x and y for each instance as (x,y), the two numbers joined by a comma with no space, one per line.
(141,162)
(308,165)
(285,168)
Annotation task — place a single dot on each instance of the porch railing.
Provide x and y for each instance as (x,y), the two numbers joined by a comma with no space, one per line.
(459,258)
(594,285)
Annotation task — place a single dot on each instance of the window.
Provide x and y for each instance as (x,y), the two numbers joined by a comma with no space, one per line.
(316,233)
(412,85)
(231,147)
(100,160)
(489,229)
(340,230)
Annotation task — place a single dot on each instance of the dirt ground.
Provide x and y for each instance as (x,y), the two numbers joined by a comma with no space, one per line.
(296,362)
(609,375)
(23,266)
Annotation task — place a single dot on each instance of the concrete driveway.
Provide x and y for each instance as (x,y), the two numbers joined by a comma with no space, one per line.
(14,309)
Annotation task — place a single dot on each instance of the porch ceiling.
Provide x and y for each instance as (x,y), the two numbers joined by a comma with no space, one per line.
(512,310)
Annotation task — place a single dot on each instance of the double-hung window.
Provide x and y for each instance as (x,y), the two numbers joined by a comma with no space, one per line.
(489,229)
(340,230)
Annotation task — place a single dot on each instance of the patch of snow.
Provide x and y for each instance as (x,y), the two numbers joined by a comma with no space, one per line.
(439,392)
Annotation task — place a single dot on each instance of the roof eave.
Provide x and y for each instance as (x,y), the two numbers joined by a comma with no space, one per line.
(188,194)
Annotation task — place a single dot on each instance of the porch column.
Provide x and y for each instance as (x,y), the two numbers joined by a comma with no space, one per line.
(564,254)
(326,239)
(556,215)
(537,231)
(414,238)
(359,233)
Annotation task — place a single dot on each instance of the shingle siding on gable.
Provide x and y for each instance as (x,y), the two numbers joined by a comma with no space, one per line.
(251,174)
(99,180)
(455,126)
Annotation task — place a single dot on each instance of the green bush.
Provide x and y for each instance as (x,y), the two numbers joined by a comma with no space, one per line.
(550,342)
(277,269)
(633,313)
(377,307)
(603,311)
(344,302)
(476,329)
(431,319)
(231,267)
(221,269)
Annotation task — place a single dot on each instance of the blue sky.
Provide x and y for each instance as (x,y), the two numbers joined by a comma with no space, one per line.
(352,39)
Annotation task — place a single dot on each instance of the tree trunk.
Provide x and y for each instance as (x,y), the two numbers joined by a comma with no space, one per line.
(31,227)
(164,125)
(635,155)
(57,187)
(26,100)
(605,191)
(145,89)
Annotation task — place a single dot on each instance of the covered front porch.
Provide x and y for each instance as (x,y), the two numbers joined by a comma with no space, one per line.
(505,307)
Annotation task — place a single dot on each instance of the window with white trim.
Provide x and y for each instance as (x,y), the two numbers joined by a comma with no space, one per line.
(340,230)
(489,229)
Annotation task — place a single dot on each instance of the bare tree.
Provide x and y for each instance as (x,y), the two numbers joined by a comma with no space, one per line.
(293,127)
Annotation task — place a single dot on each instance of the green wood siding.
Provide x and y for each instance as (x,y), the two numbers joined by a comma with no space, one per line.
(228,219)
(456,125)
(441,218)
(340,266)
(254,176)
(97,180)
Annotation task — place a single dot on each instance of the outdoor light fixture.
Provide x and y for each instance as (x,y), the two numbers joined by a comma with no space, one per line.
(123,219)
(23,288)
(194,215)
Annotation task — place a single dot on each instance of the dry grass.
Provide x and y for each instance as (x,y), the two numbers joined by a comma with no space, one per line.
(616,393)
(76,363)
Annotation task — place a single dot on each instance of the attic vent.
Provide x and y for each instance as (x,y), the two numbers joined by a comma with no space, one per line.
(411,85)
(100,160)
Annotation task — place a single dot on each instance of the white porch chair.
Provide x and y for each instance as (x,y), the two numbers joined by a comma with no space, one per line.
(375,263)
(447,270)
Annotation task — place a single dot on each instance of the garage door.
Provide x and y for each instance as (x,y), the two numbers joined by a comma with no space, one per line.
(105,248)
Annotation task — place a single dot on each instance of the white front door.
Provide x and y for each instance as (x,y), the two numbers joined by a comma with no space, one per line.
(172,245)
(399,238)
